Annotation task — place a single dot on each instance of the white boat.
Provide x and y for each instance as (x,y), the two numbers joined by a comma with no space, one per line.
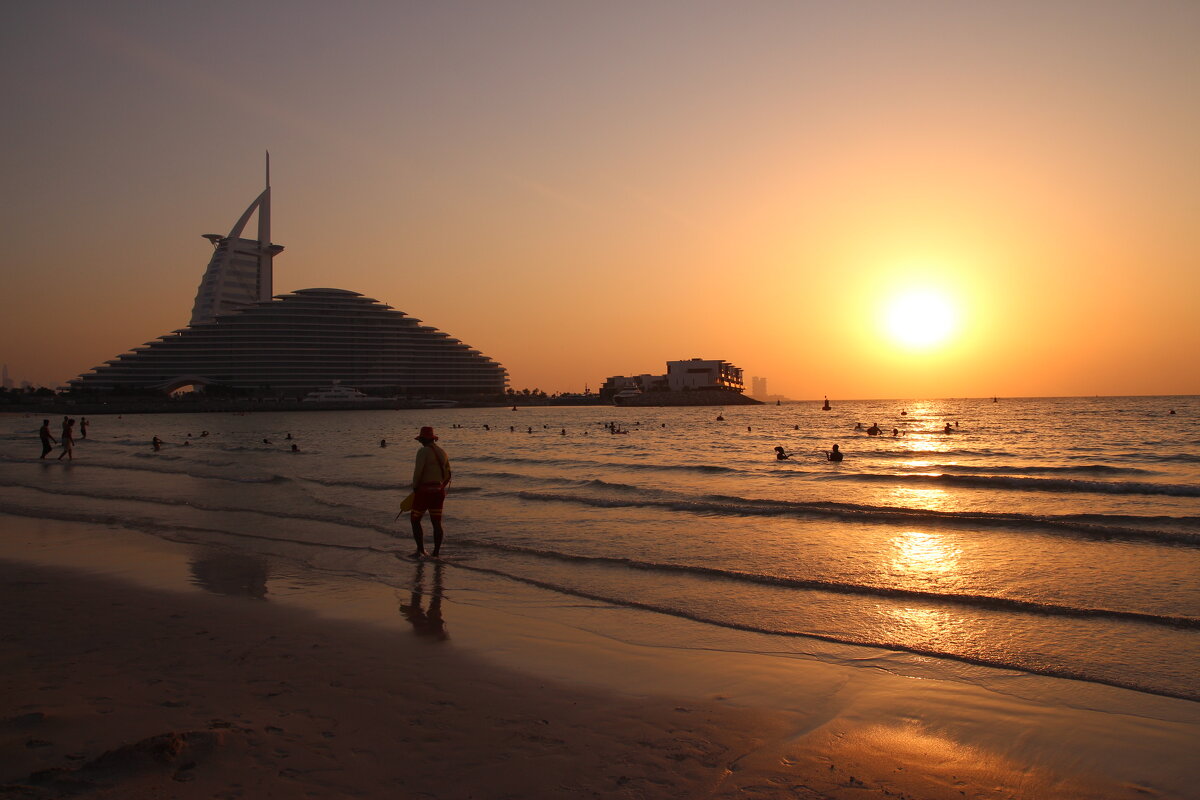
(335,393)
(438,403)
(626,394)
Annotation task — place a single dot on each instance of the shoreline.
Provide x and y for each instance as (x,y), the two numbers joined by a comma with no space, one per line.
(111,639)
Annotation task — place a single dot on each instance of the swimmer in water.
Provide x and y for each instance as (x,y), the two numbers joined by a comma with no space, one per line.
(947,429)
(874,430)
(780,455)
(834,455)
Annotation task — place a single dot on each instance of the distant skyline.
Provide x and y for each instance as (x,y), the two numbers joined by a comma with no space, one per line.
(582,190)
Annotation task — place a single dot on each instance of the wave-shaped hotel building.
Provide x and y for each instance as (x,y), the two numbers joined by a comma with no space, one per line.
(242,337)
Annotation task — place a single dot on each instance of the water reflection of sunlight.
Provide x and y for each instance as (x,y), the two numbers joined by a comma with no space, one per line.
(923,555)
(927,627)
(926,443)
(931,498)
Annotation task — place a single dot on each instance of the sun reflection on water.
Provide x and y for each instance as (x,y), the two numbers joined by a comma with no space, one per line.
(928,562)
(931,498)
(922,555)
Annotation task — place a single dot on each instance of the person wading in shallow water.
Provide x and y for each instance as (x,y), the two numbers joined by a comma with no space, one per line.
(46,437)
(431,476)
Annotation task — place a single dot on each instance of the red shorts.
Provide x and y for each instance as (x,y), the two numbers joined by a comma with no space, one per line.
(429,497)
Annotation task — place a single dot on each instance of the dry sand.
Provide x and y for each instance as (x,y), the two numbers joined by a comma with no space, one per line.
(115,690)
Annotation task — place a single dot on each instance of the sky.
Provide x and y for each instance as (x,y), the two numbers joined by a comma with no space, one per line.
(586,189)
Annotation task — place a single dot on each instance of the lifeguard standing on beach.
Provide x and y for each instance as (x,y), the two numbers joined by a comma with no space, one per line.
(431,476)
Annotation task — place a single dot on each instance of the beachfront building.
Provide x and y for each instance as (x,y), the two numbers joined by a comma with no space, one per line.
(243,339)
(700,373)
(696,373)
(241,271)
(303,341)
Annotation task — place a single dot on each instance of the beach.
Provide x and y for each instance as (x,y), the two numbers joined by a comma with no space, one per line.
(127,682)
(667,613)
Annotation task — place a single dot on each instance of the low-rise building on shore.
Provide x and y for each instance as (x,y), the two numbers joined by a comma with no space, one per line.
(695,381)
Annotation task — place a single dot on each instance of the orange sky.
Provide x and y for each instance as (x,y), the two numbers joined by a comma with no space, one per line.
(588,189)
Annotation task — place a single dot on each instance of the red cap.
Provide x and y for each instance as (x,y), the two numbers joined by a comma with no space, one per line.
(427,433)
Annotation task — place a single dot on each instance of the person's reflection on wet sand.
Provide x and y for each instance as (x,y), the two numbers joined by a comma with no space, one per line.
(229,572)
(426,622)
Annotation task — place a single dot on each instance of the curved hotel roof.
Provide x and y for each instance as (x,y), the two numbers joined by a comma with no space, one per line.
(241,338)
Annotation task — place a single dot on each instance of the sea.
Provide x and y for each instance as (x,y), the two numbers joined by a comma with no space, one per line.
(1027,536)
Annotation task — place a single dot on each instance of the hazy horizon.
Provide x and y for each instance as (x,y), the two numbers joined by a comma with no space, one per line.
(581,191)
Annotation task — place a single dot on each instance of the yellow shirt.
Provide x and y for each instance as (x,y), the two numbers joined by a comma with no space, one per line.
(432,466)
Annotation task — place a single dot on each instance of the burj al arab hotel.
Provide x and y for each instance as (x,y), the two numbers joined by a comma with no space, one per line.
(241,336)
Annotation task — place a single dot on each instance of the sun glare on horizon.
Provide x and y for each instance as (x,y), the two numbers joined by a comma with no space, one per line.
(920,319)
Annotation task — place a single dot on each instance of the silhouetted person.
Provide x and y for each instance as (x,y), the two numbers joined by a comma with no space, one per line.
(780,455)
(383,442)
(874,430)
(834,455)
(47,438)
(68,441)
(156,443)
(83,426)
(947,429)
(431,476)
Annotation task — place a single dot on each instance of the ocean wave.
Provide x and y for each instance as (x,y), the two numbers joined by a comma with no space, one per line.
(959,452)
(375,486)
(691,613)
(1024,483)
(158,469)
(1083,469)
(738,506)
(837,587)
(168,530)
(574,462)
(1184,458)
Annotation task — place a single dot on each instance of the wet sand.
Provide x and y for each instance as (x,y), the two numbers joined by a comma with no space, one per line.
(122,689)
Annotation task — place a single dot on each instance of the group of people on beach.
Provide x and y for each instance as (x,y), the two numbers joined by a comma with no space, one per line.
(66,438)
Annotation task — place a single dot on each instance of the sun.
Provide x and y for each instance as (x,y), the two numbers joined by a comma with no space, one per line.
(920,319)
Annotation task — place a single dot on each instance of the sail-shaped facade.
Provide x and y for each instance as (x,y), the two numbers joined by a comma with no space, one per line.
(241,337)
